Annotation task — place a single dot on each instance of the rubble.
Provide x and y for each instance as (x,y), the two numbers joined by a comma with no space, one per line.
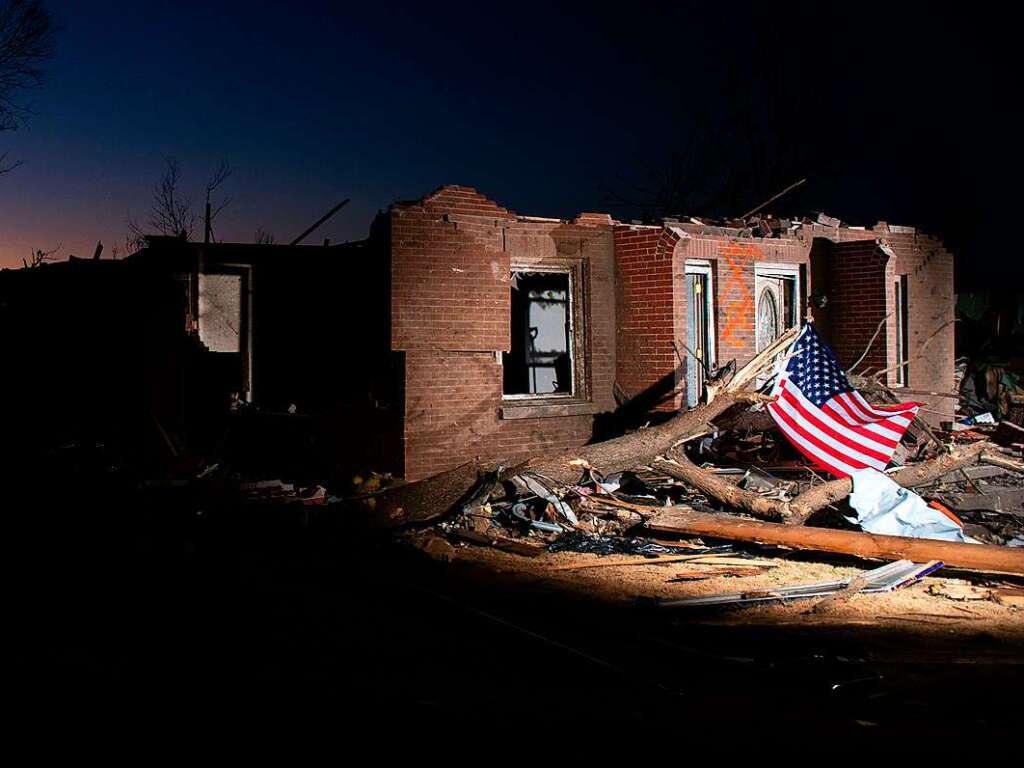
(596,498)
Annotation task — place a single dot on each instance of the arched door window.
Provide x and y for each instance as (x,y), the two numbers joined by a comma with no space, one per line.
(767,318)
(778,298)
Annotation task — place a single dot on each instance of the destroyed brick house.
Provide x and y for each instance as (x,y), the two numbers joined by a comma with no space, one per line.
(459,329)
(513,334)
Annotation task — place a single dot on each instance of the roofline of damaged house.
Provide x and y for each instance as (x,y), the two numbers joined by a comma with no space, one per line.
(160,248)
(761,226)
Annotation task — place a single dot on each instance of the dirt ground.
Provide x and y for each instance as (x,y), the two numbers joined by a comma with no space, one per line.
(949,602)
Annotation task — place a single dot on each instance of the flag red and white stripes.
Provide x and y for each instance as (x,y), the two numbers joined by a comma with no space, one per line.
(826,419)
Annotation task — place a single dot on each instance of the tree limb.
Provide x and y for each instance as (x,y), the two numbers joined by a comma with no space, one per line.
(798,510)
(435,496)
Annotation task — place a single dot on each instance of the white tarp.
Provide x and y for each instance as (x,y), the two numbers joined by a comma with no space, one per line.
(884,507)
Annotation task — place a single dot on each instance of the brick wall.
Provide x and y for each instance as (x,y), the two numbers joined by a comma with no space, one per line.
(653,299)
(858,300)
(452,256)
(733,262)
(931,311)
(449,273)
(453,401)
(647,364)
(930,308)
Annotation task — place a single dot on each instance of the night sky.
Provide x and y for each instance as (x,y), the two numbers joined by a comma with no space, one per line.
(904,115)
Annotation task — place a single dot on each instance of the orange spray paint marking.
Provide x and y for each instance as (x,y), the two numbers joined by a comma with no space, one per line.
(740,310)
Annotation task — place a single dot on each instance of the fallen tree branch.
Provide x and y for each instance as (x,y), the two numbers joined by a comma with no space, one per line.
(871,343)
(797,511)
(877,375)
(820,496)
(638,447)
(432,497)
(681,468)
(428,499)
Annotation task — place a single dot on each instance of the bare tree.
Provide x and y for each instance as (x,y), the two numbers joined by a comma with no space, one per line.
(38,257)
(27,31)
(263,237)
(134,239)
(213,208)
(171,212)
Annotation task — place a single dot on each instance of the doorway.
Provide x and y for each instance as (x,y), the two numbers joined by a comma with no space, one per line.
(777,294)
(700,336)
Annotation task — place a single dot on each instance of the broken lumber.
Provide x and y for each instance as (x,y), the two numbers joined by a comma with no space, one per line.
(498,542)
(1008,500)
(424,500)
(977,557)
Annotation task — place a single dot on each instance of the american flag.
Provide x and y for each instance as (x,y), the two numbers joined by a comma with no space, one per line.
(825,418)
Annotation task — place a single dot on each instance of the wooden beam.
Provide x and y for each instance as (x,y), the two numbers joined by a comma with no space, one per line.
(313,227)
(977,557)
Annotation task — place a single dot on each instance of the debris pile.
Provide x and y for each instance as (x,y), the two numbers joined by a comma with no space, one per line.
(702,475)
(727,477)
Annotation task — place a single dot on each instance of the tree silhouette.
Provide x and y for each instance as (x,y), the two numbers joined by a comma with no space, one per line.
(27,31)
(171,212)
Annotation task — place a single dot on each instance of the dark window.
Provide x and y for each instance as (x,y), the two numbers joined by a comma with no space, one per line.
(541,358)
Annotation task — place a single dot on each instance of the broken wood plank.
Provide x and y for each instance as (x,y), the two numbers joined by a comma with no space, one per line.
(1009,596)
(978,557)
(720,572)
(980,472)
(627,563)
(712,561)
(506,545)
(1010,500)
(641,509)
(726,560)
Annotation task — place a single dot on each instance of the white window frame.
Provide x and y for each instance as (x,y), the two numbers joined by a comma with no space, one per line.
(571,311)
(703,267)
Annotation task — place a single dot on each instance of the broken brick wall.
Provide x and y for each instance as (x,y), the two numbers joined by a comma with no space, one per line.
(451,258)
(856,286)
(650,329)
(653,301)
(928,267)
(931,307)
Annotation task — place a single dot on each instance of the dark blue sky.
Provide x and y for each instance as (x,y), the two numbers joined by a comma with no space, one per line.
(547,111)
